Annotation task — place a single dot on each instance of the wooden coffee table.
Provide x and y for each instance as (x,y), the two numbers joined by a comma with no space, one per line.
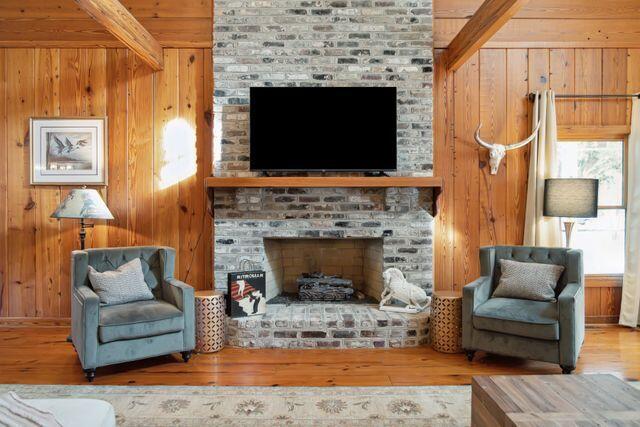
(554,400)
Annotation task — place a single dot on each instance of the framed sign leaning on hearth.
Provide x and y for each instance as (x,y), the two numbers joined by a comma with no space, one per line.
(246,294)
(68,150)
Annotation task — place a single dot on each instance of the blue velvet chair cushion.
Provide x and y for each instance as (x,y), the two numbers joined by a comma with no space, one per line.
(524,318)
(138,319)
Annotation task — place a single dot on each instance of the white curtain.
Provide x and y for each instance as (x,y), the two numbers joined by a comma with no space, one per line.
(630,309)
(543,163)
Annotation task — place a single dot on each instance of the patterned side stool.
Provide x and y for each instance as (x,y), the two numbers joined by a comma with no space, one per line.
(446,322)
(210,313)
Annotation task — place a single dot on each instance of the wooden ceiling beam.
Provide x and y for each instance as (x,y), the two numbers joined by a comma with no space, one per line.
(116,19)
(488,19)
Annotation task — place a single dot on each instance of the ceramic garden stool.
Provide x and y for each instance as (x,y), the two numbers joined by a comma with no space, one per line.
(446,321)
(210,313)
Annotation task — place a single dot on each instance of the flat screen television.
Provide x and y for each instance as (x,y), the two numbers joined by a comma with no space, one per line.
(323,129)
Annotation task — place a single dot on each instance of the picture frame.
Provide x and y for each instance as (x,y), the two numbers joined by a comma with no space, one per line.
(68,150)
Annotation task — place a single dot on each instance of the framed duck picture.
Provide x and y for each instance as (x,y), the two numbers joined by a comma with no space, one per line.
(68,151)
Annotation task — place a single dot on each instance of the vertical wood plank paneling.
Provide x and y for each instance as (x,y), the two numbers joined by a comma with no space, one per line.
(493,114)
(614,73)
(166,109)
(517,125)
(562,81)
(633,71)
(94,83)
(467,186)
(4,166)
(48,259)
(633,75)
(35,249)
(140,152)
(443,152)
(117,195)
(192,209)
(21,196)
(207,145)
(71,104)
(588,80)
(538,69)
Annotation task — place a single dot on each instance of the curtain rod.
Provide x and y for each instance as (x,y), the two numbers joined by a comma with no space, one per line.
(532,96)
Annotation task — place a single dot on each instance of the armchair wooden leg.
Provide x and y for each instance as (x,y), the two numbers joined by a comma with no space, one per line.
(470,354)
(90,374)
(186,355)
(567,369)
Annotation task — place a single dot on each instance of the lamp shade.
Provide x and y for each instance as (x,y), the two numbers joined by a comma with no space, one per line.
(571,197)
(84,203)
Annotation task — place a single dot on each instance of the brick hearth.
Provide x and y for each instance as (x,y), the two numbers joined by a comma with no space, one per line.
(325,325)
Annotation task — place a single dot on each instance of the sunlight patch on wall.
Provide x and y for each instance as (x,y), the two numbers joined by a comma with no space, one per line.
(179,152)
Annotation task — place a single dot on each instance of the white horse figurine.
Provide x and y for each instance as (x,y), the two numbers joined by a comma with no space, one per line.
(397,287)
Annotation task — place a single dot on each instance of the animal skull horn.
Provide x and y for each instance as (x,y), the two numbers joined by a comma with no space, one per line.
(498,151)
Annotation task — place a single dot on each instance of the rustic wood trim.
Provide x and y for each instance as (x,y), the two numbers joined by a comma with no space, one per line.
(87,33)
(593,132)
(547,9)
(323,182)
(488,19)
(603,281)
(34,321)
(122,24)
(602,320)
(549,33)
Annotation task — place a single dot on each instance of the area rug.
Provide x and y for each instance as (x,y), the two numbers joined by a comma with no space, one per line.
(272,406)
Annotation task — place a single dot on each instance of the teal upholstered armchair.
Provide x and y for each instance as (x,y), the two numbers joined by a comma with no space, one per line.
(109,334)
(546,331)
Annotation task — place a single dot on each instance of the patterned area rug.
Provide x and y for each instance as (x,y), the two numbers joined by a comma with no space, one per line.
(272,406)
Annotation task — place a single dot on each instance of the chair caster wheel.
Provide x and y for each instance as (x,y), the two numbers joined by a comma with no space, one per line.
(90,374)
(566,370)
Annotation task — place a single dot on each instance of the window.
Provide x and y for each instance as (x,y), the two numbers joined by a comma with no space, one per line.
(601,238)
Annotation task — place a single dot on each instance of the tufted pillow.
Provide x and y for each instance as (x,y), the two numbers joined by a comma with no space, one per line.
(528,280)
(126,284)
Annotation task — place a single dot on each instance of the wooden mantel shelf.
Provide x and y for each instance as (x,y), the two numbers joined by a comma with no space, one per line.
(324,182)
(434,183)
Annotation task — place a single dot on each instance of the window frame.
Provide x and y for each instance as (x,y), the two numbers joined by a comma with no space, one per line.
(603,133)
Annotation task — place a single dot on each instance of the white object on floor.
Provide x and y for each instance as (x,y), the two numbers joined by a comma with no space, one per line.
(397,287)
(78,412)
(17,412)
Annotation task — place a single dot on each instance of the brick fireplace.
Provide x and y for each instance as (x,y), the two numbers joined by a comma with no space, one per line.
(358,260)
(324,43)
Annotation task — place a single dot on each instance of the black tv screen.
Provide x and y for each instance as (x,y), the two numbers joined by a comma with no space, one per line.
(323,129)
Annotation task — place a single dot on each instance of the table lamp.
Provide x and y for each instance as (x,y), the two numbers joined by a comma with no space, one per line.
(570,198)
(83,203)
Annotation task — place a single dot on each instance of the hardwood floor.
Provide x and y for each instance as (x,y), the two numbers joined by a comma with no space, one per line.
(42,356)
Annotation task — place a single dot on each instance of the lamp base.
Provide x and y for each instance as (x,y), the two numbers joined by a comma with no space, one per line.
(83,232)
(568,229)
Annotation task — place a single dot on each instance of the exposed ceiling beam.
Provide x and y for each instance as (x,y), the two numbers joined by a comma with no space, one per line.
(116,19)
(488,19)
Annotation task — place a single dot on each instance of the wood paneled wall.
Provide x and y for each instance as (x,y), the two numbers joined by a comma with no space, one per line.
(549,24)
(34,254)
(61,23)
(480,209)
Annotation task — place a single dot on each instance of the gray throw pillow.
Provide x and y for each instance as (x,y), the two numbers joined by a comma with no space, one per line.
(126,284)
(528,280)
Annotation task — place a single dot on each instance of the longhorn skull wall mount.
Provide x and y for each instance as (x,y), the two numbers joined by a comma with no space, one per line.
(498,151)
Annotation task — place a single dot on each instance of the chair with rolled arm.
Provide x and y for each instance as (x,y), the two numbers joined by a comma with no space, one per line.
(537,330)
(108,334)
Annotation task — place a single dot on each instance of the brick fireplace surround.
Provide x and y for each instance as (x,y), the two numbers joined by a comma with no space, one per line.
(324,43)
